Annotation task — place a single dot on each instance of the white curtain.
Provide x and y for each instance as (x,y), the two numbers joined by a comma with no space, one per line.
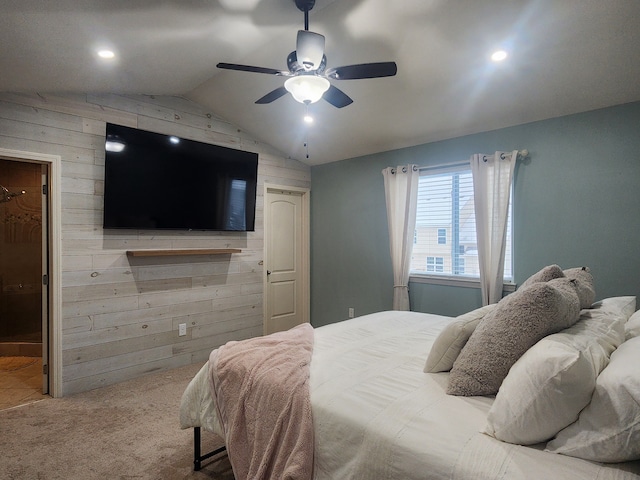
(492,177)
(401,193)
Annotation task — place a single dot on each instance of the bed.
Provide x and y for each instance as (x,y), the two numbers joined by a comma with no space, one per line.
(378,415)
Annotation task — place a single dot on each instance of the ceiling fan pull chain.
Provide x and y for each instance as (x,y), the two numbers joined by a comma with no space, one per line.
(307,116)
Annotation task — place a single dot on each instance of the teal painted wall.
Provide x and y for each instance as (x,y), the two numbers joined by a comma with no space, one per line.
(576,202)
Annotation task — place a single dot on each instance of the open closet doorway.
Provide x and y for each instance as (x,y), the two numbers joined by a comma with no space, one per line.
(24,291)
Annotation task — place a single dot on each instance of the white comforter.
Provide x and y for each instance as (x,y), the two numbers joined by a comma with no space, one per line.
(378,416)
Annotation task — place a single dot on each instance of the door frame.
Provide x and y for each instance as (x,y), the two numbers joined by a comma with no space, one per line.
(54,233)
(305,273)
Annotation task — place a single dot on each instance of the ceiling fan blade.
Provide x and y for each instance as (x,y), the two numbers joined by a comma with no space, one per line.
(337,97)
(273,95)
(249,68)
(363,70)
(309,49)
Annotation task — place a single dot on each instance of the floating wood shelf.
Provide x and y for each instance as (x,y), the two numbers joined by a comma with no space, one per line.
(185,251)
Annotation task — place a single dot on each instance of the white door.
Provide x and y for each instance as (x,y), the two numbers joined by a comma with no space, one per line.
(286,259)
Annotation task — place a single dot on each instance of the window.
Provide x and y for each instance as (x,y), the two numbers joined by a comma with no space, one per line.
(445,237)
(435,264)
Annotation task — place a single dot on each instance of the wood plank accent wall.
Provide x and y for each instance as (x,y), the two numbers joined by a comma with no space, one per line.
(121,314)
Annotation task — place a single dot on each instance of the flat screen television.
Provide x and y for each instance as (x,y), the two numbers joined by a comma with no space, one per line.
(154,181)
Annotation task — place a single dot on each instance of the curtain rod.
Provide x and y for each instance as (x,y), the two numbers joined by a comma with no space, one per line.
(521,153)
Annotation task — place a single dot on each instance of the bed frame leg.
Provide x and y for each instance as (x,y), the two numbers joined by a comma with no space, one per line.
(197,459)
(197,453)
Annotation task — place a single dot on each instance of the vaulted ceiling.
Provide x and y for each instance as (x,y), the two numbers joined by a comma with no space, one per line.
(564,56)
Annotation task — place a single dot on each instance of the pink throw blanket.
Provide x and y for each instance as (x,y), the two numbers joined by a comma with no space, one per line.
(261,390)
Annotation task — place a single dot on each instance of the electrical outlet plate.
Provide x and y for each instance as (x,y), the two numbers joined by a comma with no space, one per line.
(182,329)
(352,312)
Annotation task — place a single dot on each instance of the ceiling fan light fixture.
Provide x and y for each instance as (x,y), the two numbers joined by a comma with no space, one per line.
(307,88)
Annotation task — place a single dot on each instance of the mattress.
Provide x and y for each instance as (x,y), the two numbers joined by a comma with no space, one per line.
(378,416)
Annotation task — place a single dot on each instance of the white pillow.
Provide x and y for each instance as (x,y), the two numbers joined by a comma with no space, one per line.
(625,306)
(452,338)
(549,385)
(632,327)
(608,429)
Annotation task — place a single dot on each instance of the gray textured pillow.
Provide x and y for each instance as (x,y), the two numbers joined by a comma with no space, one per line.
(508,331)
(547,273)
(452,338)
(586,292)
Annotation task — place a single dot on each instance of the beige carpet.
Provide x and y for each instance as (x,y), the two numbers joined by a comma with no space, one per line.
(126,431)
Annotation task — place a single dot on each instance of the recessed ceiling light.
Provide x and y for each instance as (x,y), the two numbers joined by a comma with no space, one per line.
(106,54)
(499,55)
(174,140)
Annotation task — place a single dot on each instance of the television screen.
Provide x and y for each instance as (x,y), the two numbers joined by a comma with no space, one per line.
(155,181)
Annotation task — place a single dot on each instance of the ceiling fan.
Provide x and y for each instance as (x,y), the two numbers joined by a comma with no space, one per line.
(308,76)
